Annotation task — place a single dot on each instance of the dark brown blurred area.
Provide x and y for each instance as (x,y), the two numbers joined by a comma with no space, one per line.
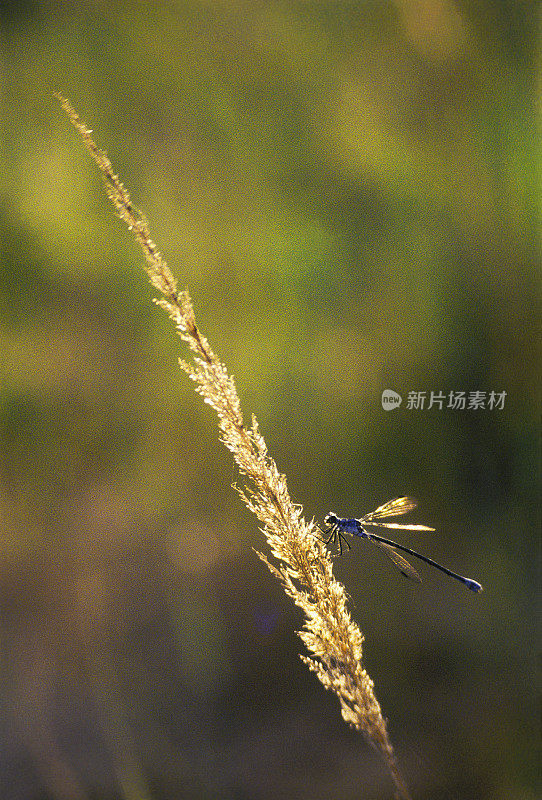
(349,191)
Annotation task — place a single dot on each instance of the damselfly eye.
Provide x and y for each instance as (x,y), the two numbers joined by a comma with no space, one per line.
(330,519)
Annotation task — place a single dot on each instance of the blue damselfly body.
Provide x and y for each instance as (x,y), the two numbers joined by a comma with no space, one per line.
(337,527)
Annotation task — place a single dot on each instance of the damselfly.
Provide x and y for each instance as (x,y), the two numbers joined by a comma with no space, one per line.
(338,526)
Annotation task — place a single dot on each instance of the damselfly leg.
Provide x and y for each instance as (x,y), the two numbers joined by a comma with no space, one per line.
(336,538)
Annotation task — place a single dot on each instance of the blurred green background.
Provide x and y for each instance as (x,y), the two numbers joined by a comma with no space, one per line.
(349,191)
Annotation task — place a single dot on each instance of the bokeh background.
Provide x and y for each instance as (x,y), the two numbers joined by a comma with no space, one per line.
(349,191)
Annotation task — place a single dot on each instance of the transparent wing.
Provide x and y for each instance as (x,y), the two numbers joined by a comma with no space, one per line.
(394,508)
(397,525)
(401,563)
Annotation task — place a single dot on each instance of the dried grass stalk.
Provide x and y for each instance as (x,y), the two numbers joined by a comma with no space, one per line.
(303,565)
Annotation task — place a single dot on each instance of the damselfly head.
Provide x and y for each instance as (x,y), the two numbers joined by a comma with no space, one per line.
(331,519)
